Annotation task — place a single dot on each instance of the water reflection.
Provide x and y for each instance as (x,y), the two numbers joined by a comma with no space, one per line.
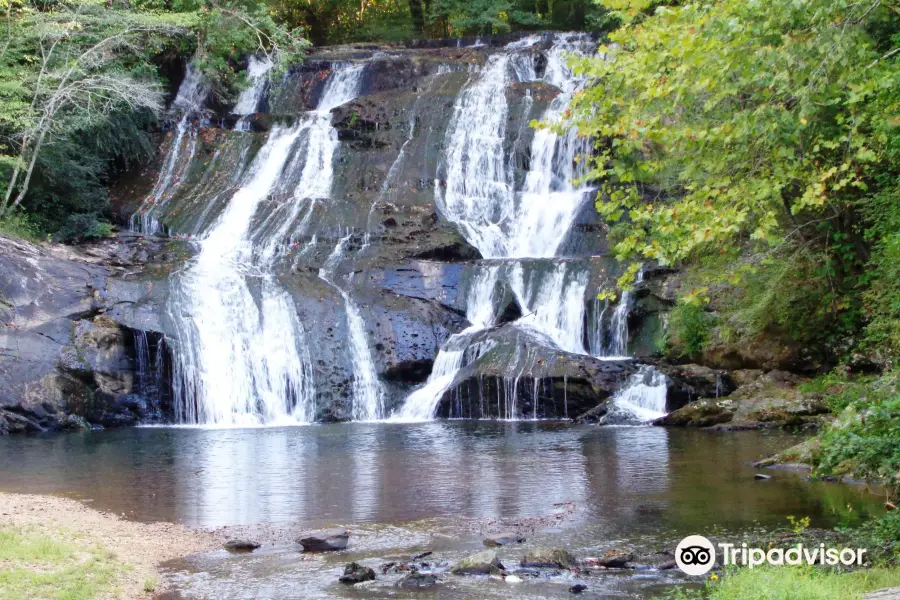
(626,478)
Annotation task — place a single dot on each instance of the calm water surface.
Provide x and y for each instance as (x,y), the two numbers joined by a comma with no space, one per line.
(405,487)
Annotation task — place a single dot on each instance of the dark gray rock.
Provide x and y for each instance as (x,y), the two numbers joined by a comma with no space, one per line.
(577,588)
(356,573)
(324,540)
(415,581)
(240,546)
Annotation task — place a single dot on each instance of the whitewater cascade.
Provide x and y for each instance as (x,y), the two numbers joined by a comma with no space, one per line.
(244,358)
(248,102)
(187,106)
(533,222)
(479,196)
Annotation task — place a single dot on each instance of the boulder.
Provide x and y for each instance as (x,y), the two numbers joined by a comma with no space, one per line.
(356,573)
(480,563)
(615,558)
(556,558)
(239,546)
(503,539)
(577,588)
(324,540)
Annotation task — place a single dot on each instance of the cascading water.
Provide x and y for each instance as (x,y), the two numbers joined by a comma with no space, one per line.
(368,393)
(187,105)
(480,198)
(457,351)
(248,102)
(243,356)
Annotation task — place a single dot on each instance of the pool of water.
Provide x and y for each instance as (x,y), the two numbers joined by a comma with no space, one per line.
(404,488)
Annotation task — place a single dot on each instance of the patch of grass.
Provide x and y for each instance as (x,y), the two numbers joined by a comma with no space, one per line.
(18,225)
(793,583)
(35,565)
(839,390)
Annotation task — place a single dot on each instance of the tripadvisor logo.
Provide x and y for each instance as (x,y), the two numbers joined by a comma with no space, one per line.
(696,555)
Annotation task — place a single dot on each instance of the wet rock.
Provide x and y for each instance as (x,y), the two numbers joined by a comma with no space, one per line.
(356,573)
(480,563)
(422,555)
(550,383)
(503,539)
(690,382)
(238,546)
(577,588)
(614,558)
(415,581)
(548,558)
(594,415)
(762,477)
(325,540)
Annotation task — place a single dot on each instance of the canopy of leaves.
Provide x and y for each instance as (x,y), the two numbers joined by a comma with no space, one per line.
(751,128)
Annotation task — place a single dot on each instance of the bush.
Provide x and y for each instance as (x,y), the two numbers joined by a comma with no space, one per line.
(868,446)
(689,329)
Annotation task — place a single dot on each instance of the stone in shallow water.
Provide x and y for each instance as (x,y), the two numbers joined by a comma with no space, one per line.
(615,558)
(418,580)
(506,538)
(356,573)
(548,558)
(240,546)
(577,588)
(481,563)
(325,540)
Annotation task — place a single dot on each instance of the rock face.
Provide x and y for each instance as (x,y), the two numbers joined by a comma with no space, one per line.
(325,540)
(67,347)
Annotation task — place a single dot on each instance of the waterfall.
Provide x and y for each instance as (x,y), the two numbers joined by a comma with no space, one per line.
(457,350)
(644,395)
(479,197)
(244,358)
(248,102)
(188,104)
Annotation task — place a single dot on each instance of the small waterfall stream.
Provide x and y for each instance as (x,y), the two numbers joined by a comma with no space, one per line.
(248,102)
(187,106)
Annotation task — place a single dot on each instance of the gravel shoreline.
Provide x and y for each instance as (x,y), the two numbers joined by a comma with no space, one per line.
(142,546)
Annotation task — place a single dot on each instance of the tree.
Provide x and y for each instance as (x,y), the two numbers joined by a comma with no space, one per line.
(736,124)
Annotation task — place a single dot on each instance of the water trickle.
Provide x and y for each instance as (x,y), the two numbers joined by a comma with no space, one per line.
(186,107)
(367,391)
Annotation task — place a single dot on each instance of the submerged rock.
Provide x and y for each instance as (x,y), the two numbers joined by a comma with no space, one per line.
(325,540)
(480,563)
(239,546)
(614,559)
(418,580)
(578,588)
(356,573)
(503,539)
(548,558)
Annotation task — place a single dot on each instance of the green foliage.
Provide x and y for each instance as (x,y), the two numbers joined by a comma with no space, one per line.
(690,327)
(793,583)
(20,225)
(867,444)
(839,390)
(80,89)
(770,127)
